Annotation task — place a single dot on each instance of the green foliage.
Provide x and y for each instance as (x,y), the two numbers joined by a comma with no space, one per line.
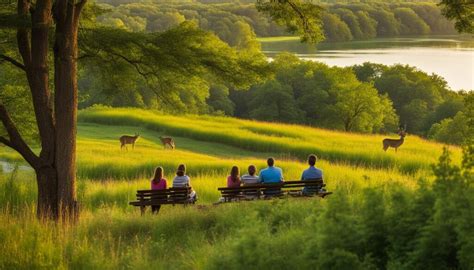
(450,226)
(300,17)
(15,95)
(410,23)
(387,24)
(219,100)
(462,11)
(335,29)
(175,66)
(352,21)
(414,94)
(273,101)
(458,129)
(368,26)
(224,17)
(309,92)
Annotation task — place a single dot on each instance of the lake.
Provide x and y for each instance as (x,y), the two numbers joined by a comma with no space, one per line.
(449,57)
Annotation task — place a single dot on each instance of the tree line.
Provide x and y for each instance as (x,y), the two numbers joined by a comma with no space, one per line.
(231,21)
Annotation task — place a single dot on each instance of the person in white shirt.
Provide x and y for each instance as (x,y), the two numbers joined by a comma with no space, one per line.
(182,180)
(251,178)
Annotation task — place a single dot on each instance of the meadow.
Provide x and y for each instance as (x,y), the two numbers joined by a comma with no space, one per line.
(382,213)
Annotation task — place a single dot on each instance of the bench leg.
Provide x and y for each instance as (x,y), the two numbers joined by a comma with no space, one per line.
(155,209)
(142,210)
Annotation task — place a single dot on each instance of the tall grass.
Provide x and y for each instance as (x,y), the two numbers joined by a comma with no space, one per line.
(356,228)
(292,140)
(378,216)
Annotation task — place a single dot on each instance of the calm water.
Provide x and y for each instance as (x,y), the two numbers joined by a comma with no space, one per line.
(449,57)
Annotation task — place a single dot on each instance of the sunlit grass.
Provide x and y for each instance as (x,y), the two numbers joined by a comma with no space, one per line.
(279,38)
(290,140)
(112,235)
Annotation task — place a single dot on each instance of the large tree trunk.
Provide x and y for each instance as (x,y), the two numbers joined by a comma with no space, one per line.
(47,205)
(55,166)
(65,104)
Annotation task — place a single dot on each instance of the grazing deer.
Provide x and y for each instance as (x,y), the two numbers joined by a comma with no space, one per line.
(394,142)
(167,141)
(125,139)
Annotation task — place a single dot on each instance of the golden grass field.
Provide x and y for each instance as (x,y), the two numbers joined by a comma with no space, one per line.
(111,234)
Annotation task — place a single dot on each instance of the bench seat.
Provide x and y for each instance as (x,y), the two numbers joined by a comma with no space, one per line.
(259,191)
(171,196)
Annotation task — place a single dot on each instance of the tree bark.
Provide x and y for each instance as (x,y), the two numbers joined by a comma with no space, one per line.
(55,166)
(65,104)
(47,205)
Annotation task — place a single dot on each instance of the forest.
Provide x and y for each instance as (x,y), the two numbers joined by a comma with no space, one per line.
(230,19)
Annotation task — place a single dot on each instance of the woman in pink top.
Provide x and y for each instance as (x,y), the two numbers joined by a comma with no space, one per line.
(157,183)
(233,180)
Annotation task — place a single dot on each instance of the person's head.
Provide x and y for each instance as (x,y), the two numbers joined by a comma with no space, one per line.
(158,174)
(252,170)
(181,170)
(270,162)
(312,160)
(234,173)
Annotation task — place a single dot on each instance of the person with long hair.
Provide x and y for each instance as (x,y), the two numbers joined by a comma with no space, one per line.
(233,180)
(158,182)
(182,180)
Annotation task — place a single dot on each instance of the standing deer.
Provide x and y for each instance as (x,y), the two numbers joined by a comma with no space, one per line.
(125,139)
(167,141)
(394,142)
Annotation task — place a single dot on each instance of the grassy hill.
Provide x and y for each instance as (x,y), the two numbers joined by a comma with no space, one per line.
(374,190)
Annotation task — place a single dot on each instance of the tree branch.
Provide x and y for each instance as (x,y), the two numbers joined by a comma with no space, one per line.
(79,7)
(12,61)
(16,142)
(300,14)
(22,34)
(6,142)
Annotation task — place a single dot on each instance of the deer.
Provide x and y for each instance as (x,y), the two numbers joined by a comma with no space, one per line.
(167,141)
(394,142)
(126,139)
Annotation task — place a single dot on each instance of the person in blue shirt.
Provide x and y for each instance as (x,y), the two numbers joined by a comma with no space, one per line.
(311,173)
(271,175)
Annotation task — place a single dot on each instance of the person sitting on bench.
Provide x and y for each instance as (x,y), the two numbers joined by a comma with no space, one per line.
(233,180)
(251,178)
(271,175)
(310,174)
(182,180)
(157,183)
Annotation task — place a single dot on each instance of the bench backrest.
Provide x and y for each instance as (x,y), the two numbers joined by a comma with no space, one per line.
(310,183)
(165,195)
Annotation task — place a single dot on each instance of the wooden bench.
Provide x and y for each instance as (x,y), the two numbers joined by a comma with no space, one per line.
(264,191)
(171,196)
